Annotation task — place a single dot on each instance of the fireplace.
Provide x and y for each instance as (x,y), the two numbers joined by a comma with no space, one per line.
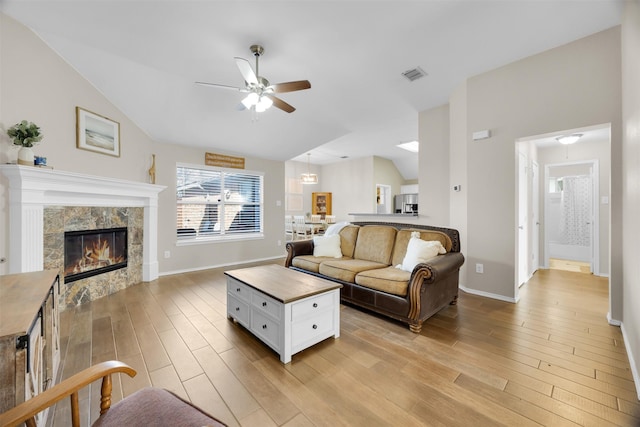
(91,252)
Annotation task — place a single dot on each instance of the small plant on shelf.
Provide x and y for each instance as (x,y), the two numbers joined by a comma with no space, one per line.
(25,134)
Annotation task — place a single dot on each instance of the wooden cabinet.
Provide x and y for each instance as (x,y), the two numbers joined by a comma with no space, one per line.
(29,336)
(321,204)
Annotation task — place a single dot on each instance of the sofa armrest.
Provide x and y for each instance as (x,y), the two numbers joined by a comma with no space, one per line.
(294,249)
(440,266)
(426,274)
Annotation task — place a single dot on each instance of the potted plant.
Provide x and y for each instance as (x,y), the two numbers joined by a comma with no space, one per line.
(25,135)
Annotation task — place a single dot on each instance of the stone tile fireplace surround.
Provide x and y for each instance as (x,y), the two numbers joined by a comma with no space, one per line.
(44,203)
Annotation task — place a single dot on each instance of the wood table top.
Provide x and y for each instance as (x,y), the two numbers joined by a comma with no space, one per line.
(21,296)
(281,283)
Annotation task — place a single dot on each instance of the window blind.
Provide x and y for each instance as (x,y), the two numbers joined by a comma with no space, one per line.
(214,202)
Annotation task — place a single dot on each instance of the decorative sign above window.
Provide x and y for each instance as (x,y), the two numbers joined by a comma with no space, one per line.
(220,160)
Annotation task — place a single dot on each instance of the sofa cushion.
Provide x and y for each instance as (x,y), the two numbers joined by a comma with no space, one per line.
(375,243)
(346,269)
(419,251)
(389,279)
(402,240)
(155,407)
(310,262)
(327,246)
(348,238)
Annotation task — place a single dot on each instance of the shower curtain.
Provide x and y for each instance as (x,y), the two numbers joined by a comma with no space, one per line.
(575,224)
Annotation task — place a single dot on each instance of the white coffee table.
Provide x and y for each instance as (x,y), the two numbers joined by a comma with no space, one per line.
(286,309)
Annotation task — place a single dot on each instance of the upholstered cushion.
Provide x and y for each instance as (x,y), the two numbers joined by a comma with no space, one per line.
(310,262)
(375,243)
(155,407)
(419,251)
(402,240)
(348,238)
(327,246)
(346,269)
(390,280)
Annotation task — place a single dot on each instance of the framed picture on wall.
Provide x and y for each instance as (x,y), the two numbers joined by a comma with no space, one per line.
(97,133)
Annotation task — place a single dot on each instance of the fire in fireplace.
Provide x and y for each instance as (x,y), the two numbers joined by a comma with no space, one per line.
(91,252)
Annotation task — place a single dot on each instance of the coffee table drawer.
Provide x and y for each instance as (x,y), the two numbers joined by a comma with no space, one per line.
(312,330)
(266,304)
(237,309)
(311,306)
(239,290)
(266,329)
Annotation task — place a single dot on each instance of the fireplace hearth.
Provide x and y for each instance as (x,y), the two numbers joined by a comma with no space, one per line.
(91,252)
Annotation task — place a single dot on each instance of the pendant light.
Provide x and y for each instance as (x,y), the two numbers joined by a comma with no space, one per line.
(309,178)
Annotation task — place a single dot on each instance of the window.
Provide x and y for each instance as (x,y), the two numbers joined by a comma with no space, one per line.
(216,203)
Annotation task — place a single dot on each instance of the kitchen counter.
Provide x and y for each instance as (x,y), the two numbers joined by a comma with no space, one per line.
(395,215)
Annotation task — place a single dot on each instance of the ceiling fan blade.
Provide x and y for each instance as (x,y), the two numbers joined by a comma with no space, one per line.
(239,89)
(291,86)
(246,71)
(279,103)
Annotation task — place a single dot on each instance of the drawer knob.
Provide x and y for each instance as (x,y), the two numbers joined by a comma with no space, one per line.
(315,305)
(237,308)
(237,289)
(264,303)
(264,326)
(315,326)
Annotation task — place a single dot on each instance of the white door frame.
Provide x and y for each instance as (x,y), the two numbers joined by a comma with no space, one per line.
(595,221)
(535,218)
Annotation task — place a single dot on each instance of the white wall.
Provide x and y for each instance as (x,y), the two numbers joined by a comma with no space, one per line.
(433,173)
(458,170)
(352,185)
(385,172)
(631,182)
(39,86)
(295,191)
(568,87)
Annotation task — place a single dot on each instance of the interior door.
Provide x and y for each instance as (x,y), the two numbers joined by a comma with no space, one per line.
(535,218)
(523,229)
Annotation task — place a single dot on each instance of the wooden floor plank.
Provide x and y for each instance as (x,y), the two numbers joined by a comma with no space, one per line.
(551,359)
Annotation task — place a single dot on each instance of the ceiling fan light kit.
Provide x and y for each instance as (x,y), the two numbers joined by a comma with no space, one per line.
(260,92)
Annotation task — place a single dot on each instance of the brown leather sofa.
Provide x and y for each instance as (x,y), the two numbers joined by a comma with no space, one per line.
(367,269)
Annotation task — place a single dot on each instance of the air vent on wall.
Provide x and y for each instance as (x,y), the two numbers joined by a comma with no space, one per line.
(414,74)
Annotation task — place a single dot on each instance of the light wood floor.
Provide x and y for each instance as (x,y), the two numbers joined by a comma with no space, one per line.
(576,266)
(550,360)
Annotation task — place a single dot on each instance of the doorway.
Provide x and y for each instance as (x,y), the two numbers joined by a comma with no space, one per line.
(528,222)
(571,216)
(383,199)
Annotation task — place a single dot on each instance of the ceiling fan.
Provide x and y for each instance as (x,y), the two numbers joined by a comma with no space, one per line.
(260,92)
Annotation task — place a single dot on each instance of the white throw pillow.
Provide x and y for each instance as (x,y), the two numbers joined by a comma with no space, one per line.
(335,228)
(327,246)
(419,251)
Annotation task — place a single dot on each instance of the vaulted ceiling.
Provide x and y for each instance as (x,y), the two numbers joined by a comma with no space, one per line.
(145,56)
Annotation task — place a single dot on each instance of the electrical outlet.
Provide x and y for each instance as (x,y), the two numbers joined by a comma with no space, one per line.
(480,268)
(167,254)
(279,242)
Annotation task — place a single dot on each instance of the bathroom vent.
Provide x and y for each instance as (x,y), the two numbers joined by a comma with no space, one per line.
(414,74)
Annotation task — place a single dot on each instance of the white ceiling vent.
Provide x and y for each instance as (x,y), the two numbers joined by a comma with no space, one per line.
(414,74)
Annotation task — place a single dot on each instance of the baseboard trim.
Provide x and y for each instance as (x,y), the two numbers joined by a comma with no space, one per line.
(488,294)
(632,360)
(209,267)
(613,322)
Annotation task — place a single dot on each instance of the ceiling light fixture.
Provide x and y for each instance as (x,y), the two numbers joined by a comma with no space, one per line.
(412,146)
(259,102)
(309,178)
(569,139)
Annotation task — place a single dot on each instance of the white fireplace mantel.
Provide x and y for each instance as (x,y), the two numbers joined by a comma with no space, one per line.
(33,188)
